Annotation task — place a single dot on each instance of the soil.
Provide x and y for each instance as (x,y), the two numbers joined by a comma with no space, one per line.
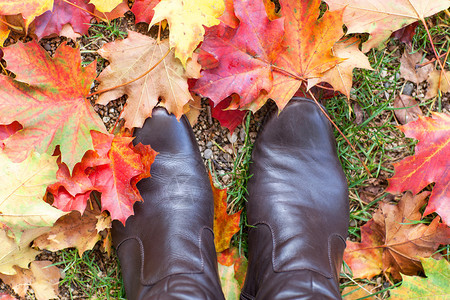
(217,145)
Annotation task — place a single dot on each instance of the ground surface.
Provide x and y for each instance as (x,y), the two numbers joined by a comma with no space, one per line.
(369,123)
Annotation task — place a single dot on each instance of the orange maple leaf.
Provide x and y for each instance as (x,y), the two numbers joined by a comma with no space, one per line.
(225,225)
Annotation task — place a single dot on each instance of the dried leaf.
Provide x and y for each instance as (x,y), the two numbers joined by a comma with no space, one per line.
(434,286)
(225,225)
(187,19)
(192,109)
(438,82)
(53,89)
(168,81)
(72,230)
(105,5)
(22,187)
(407,109)
(406,34)
(393,240)
(429,164)
(42,277)
(340,76)
(408,70)
(357,292)
(381,18)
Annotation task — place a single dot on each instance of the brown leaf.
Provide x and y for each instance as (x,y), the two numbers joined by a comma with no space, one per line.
(131,58)
(408,63)
(192,109)
(42,277)
(408,109)
(393,240)
(73,230)
(438,82)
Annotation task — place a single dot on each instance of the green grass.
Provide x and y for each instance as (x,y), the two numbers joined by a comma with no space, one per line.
(84,275)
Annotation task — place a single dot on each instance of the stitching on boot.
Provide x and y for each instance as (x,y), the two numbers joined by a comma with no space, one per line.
(275,266)
(329,250)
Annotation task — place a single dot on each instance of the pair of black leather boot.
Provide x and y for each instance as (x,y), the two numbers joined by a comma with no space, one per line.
(297,202)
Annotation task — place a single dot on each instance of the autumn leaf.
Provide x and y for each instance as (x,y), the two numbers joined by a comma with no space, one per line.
(308,43)
(429,164)
(52,22)
(225,225)
(186,19)
(227,118)
(232,258)
(229,17)
(118,12)
(4,32)
(42,277)
(72,230)
(244,55)
(340,76)
(381,18)
(22,187)
(434,286)
(29,9)
(143,10)
(6,296)
(18,254)
(364,291)
(409,69)
(393,241)
(8,130)
(131,58)
(47,98)
(407,109)
(406,34)
(105,5)
(438,82)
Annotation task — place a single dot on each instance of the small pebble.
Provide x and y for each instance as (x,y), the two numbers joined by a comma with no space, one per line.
(106,119)
(408,89)
(209,144)
(207,154)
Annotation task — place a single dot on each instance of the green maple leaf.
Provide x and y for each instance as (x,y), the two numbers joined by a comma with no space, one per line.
(435,286)
(48,98)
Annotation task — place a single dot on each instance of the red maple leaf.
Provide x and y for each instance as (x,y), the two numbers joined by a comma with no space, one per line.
(244,55)
(227,118)
(143,10)
(429,164)
(52,22)
(48,98)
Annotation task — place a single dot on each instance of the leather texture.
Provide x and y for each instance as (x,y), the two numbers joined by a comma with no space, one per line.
(166,250)
(298,205)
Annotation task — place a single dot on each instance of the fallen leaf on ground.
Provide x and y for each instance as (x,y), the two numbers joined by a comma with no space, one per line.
(408,63)
(187,19)
(18,254)
(131,58)
(381,18)
(8,130)
(308,42)
(438,82)
(52,22)
(105,5)
(434,286)
(6,296)
(225,225)
(428,164)
(22,187)
(192,111)
(118,12)
(4,32)
(227,118)
(53,89)
(42,277)
(406,34)
(29,9)
(143,10)
(229,17)
(245,55)
(393,241)
(341,75)
(231,257)
(230,287)
(357,292)
(407,109)
(72,230)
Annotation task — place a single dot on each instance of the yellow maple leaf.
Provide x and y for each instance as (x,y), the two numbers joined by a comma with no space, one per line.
(29,9)
(186,19)
(105,5)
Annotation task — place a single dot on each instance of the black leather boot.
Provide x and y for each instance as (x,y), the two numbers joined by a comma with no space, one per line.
(298,203)
(166,250)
